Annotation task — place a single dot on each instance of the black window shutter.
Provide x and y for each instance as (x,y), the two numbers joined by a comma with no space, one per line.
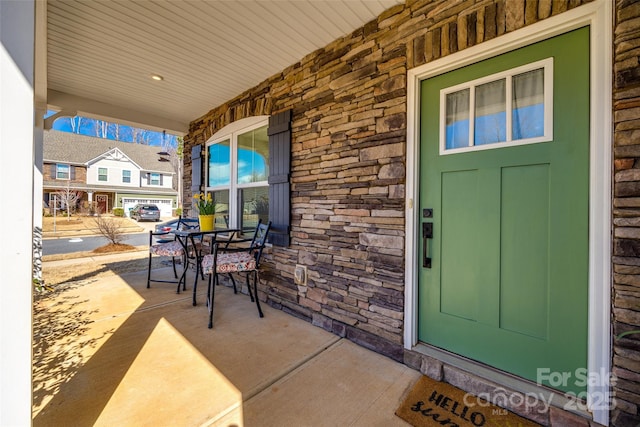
(72,172)
(196,168)
(54,171)
(161,176)
(279,173)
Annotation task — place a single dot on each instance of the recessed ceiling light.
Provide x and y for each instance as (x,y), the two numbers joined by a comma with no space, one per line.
(157,77)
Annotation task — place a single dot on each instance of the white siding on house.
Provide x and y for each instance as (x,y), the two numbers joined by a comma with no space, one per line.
(114,173)
(166,180)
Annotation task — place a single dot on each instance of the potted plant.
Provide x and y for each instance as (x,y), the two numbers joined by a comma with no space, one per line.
(206,210)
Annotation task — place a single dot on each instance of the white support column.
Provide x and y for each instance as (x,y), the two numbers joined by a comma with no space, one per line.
(17,159)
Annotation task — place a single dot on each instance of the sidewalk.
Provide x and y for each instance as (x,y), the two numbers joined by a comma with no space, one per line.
(86,257)
(84,233)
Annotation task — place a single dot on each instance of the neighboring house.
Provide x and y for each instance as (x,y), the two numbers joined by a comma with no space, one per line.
(110,174)
(444,174)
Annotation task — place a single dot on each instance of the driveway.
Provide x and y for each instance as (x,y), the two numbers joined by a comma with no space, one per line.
(150,225)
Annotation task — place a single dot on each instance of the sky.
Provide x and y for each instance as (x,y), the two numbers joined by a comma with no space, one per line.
(94,127)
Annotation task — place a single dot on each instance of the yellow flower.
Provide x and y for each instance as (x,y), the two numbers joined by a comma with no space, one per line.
(206,204)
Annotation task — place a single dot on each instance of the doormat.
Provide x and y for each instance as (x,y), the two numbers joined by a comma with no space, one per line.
(433,403)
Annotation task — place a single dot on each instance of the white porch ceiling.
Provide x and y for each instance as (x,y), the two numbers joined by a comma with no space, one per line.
(101,54)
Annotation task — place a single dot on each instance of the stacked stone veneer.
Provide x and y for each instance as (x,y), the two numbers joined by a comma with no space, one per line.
(348,164)
(626,212)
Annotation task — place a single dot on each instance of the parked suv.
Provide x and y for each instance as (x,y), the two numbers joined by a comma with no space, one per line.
(145,211)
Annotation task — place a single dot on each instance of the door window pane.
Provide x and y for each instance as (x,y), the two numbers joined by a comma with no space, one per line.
(253,156)
(254,203)
(490,124)
(528,104)
(513,107)
(457,119)
(220,164)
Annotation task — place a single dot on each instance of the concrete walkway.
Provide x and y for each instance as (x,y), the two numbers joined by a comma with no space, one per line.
(110,352)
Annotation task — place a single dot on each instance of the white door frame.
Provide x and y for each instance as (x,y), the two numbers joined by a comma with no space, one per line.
(598,15)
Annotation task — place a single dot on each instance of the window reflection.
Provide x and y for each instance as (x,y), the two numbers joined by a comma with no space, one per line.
(253,156)
(255,206)
(238,174)
(219,164)
(221,198)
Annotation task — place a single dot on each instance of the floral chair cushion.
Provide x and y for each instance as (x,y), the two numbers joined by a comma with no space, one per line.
(231,262)
(167,249)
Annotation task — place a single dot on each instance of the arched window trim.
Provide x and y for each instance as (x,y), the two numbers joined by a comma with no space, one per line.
(238,126)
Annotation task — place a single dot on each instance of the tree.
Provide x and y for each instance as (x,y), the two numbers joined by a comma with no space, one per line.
(74,123)
(110,229)
(114,129)
(141,136)
(68,199)
(109,130)
(175,154)
(100,128)
(175,157)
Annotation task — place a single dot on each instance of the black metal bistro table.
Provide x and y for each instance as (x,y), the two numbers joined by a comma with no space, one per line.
(188,239)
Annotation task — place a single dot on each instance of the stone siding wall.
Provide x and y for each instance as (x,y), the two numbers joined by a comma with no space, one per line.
(348,185)
(626,213)
(348,159)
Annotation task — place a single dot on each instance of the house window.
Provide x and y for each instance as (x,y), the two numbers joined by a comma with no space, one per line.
(513,107)
(126,176)
(154,179)
(62,171)
(102,174)
(237,175)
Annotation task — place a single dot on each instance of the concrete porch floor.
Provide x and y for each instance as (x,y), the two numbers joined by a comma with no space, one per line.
(110,352)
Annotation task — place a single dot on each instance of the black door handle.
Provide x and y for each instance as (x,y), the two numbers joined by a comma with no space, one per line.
(427,233)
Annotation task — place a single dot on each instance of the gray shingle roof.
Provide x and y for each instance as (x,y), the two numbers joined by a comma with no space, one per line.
(66,147)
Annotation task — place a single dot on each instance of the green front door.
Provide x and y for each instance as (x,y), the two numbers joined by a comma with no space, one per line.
(507,283)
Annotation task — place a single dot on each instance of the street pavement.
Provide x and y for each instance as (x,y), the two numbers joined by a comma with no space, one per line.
(71,241)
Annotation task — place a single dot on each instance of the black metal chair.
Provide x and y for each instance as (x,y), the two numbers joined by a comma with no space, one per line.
(172,248)
(236,259)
